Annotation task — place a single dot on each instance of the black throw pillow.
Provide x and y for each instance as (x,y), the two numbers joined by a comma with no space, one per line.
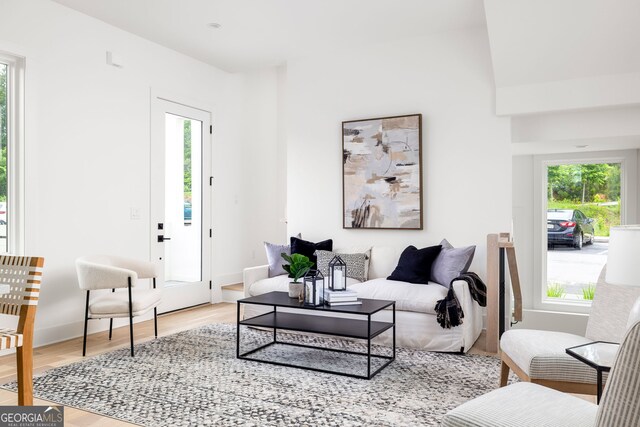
(414,265)
(308,249)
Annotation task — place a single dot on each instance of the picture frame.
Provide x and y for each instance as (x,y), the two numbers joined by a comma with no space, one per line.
(382,173)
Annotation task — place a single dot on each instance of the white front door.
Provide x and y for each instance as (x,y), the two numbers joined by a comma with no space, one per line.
(180,213)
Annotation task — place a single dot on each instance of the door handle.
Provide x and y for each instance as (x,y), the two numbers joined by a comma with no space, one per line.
(162,238)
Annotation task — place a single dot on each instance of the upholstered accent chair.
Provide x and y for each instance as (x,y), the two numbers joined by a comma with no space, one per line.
(22,275)
(540,356)
(531,405)
(101,273)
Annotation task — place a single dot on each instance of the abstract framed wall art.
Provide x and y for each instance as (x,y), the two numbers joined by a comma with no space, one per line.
(382,173)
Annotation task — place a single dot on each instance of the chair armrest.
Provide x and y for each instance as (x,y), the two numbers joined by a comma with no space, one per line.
(253,274)
(92,276)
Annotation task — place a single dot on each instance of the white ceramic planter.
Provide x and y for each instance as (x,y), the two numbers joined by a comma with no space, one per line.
(295,289)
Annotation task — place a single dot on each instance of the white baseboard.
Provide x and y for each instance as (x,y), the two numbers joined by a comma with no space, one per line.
(572,323)
(54,334)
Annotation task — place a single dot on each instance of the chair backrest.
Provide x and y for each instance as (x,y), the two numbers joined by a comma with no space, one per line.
(610,310)
(620,405)
(110,272)
(144,269)
(23,275)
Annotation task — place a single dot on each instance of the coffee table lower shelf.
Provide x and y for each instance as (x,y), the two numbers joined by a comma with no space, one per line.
(324,325)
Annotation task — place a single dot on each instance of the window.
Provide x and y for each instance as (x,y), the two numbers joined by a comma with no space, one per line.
(584,200)
(3,157)
(11,131)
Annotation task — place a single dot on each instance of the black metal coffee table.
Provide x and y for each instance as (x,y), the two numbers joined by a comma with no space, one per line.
(308,320)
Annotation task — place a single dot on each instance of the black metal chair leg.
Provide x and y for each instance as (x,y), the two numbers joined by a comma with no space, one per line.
(111,321)
(130,317)
(86,321)
(155,313)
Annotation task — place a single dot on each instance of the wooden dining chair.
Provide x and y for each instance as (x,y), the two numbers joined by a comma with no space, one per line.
(23,275)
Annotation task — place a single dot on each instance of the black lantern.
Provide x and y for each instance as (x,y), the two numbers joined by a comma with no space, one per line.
(337,274)
(313,288)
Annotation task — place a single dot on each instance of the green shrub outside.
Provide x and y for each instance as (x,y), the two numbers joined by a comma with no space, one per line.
(555,290)
(589,292)
(604,217)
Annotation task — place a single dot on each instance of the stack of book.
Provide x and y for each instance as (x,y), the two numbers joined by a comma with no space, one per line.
(334,298)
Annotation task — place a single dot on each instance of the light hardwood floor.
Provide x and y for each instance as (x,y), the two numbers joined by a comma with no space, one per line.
(66,352)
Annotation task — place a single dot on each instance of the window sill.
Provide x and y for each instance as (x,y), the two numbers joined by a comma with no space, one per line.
(565,306)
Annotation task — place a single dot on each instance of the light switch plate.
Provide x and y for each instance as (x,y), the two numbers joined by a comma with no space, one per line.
(134,213)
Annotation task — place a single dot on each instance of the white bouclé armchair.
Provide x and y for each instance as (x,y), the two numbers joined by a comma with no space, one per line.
(127,298)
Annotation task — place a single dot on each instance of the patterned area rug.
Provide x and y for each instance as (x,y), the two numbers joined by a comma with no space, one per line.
(194,379)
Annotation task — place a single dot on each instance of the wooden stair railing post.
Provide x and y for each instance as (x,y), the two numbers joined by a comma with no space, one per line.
(498,308)
(493,293)
(515,283)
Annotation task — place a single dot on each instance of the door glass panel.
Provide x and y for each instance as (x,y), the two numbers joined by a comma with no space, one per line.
(3,158)
(583,203)
(183,199)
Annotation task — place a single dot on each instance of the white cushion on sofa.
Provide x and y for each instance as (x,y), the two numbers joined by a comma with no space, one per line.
(384,260)
(408,296)
(279,283)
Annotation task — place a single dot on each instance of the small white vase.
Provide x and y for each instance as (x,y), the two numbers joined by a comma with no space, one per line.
(295,289)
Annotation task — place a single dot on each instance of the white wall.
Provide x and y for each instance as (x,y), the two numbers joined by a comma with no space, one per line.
(466,149)
(87,147)
(523,227)
(574,94)
(263,164)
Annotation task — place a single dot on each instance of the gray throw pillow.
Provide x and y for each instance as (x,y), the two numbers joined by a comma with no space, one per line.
(450,263)
(274,257)
(355,264)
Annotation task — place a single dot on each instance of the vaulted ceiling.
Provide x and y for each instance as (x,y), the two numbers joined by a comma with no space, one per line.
(259,33)
(583,53)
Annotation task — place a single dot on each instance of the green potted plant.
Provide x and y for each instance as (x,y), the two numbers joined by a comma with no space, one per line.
(298,266)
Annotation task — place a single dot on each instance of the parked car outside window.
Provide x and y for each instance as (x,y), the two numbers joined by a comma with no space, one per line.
(569,227)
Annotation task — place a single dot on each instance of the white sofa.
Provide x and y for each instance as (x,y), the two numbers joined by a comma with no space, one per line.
(415,304)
